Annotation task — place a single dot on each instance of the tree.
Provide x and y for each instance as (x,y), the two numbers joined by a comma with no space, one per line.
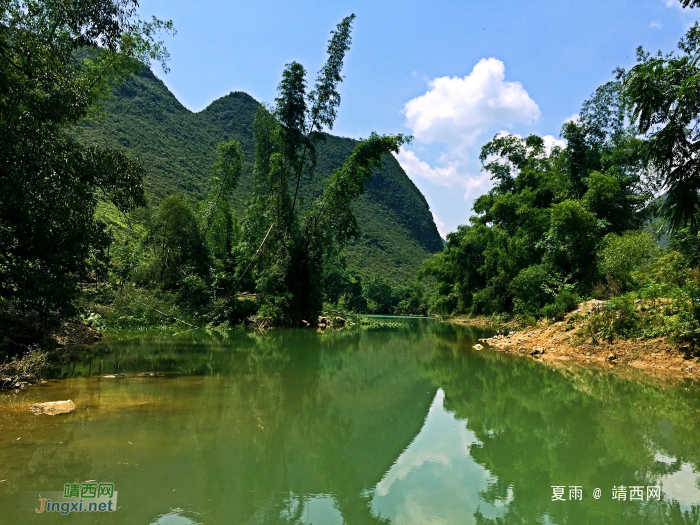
(57,59)
(220,224)
(532,240)
(664,94)
(176,243)
(288,236)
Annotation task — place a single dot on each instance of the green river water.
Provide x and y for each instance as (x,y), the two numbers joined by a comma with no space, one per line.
(403,425)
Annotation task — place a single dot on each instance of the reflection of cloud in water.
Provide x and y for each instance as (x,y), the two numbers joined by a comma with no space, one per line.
(314,510)
(435,480)
(661,458)
(682,486)
(175,517)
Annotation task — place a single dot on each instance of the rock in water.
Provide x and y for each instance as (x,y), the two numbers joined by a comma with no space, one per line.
(477,347)
(53,407)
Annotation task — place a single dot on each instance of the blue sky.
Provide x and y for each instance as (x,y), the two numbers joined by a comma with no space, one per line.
(453,73)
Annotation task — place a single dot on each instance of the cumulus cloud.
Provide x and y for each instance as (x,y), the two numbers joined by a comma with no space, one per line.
(458,110)
(550,141)
(414,167)
(573,118)
(442,228)
(458,114)
(452,175)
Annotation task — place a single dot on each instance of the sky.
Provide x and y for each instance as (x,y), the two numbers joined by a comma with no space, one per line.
(451,73)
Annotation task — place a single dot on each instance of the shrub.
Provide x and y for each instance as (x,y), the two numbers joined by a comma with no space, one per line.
(193,291)
(621,255)
(531,289)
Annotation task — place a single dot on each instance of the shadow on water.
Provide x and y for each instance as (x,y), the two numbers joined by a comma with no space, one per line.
(402,424)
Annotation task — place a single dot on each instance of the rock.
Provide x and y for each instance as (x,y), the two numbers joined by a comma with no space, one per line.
(324,321)
(612,357)
(477,347)
(339,321)
(53,407)
(114,376)
(150,374)
(305,323)
(321,325)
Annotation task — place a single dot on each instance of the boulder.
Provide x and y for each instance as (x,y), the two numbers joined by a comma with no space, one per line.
(477,347)
(53,407)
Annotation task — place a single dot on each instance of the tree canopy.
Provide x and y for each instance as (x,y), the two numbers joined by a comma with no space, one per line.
(57,59)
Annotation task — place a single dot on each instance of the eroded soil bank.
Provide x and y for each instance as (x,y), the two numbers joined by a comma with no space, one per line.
(564,341)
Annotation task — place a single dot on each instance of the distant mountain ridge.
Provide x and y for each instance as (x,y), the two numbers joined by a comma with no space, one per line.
(178,149)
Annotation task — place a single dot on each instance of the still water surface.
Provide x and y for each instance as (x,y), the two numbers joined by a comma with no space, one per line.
(400,425)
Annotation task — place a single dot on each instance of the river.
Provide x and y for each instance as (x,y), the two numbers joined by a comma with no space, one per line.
(404,424)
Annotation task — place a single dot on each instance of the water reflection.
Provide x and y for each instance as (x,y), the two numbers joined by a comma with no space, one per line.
(398,425)
(175,517)
(435,479)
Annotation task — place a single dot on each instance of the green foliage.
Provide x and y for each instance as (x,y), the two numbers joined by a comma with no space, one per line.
(289,240)
(379,294)
(531,289)
(175,244)
(410,300)
(178,148)
(564,302)
(530,249)
(572,237)
(664,94)
(57,59)
(621,255)
(220,224)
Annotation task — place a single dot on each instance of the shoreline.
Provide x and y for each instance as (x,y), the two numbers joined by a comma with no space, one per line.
(556,342)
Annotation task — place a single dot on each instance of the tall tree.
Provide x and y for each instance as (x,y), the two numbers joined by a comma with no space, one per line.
(664,93)
(57,59)
(288,241)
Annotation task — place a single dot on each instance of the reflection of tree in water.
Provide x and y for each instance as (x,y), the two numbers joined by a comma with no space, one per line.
(539,428)
(282,418)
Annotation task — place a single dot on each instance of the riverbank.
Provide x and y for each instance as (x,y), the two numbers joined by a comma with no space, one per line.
(28,344)
(572,339)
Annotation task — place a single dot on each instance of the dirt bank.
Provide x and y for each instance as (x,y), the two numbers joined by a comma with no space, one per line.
(563,341)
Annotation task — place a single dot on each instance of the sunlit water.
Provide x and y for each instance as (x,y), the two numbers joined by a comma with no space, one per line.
(405,425)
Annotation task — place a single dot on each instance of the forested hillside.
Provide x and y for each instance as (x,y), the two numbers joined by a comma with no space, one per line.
(178,149)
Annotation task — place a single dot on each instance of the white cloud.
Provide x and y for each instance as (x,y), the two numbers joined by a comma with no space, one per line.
(415,167)
(673,3)
(655,24)
(457,111)
(441,226)
(550,141)
(453,175)
(573,118)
